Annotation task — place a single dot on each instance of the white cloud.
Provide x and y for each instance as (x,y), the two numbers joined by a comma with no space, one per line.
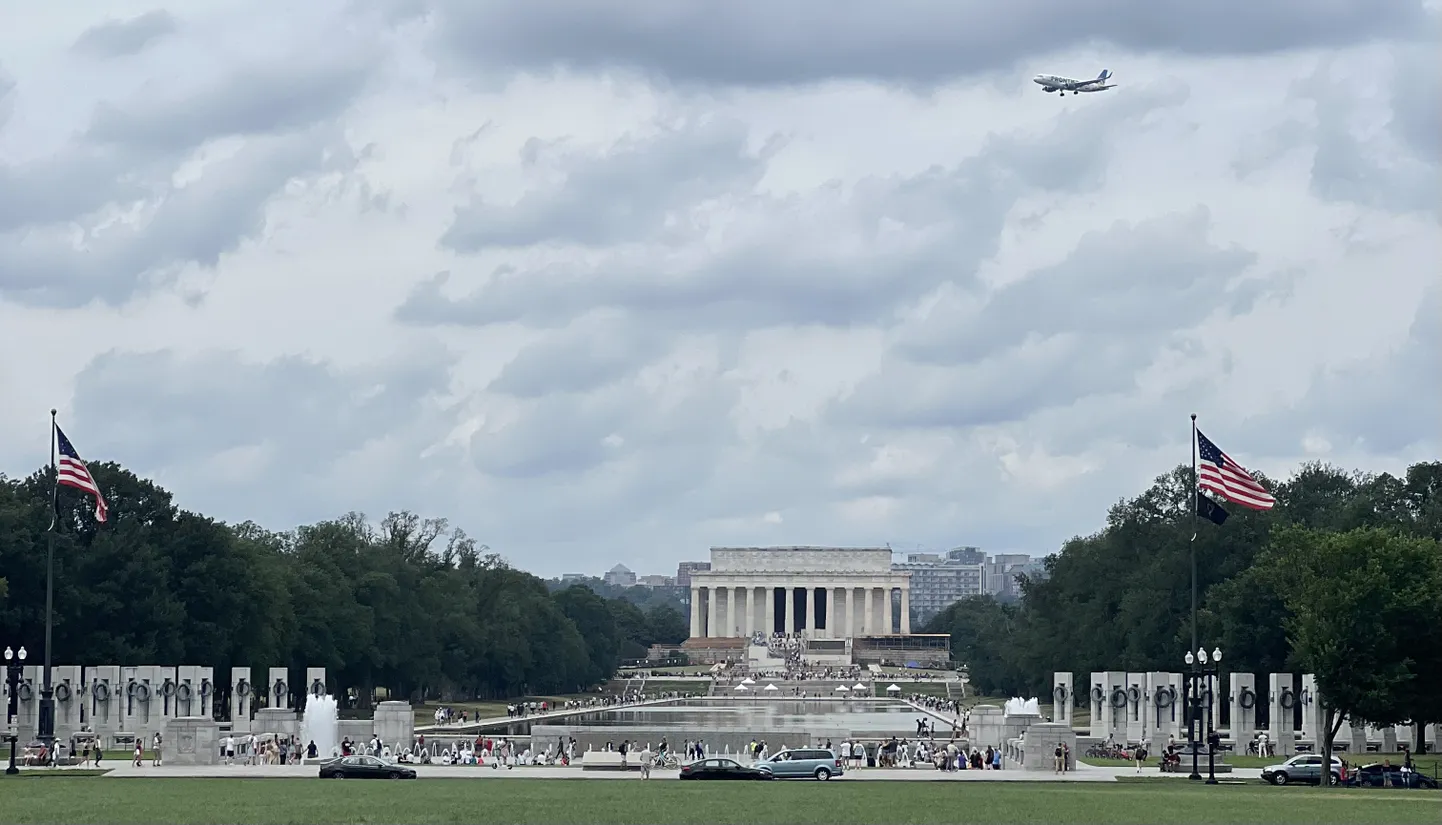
(600,291)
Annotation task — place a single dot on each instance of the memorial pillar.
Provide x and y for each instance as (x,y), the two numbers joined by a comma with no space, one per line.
(771,609)
(808,611)
(732,626)
(868,625)
(695,612)
(835,618)
(710,612)
(849,628)
(905,610)
(789,595)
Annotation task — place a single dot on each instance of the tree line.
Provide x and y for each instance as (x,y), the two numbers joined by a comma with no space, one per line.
(1342,578)
(409,605)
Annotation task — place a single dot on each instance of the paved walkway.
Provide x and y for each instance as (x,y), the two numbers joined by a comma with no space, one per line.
(1085,773)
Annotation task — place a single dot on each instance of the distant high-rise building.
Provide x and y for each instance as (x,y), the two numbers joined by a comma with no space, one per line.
(1002,571)
(619,576)
(656,581)
(685,569)
(939,581)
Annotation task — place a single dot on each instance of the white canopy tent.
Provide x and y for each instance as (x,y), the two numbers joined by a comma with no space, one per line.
(841,688)
(772,687)
(742,687)
(893,689)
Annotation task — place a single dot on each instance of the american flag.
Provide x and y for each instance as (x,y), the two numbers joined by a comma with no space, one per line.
(72,472)
(1217,472)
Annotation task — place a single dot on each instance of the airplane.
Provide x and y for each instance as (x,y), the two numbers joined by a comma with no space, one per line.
(1054,83)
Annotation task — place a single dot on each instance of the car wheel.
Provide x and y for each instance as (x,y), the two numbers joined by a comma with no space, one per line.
(1279,779)
(395,775)
(823,774)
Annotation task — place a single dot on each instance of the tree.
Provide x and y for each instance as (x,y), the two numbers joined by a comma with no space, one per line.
(1347,594)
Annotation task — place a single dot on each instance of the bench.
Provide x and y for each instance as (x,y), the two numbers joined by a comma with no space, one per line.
(610,761)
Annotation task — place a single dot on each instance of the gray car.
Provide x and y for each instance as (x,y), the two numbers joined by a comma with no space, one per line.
(802,763)
(1304,767)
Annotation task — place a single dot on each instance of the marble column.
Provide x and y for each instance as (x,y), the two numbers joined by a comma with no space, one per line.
(710,612)
(770,609)
(789,595)
(732,626)
(868,625)
(906,611)
(695,612)
(835,618)
(883,609)
(808,611)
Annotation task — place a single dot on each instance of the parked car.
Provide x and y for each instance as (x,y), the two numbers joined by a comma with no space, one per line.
(364,767)
(1304,767)
(717,768)
(1378,775)
(803,763)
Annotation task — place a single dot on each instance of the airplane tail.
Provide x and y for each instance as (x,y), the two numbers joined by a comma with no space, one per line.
(1105,75)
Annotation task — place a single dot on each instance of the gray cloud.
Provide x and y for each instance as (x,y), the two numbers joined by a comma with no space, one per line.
(127,159)
(1399,170)
(834,258)
(755,42)
(1385,405)
(259,99)
(1150,279)
(122,38)
(192,224)
(167,416)
(1084,327)
(623,194)
(592,352)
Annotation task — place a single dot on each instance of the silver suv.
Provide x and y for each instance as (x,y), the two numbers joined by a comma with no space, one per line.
(1304,767)
(802,763)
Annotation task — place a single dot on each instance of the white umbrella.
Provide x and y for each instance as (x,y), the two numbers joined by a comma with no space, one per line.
(772,687)
(742,687)
(748,681)
(858,686)
(893,687)
(841,688)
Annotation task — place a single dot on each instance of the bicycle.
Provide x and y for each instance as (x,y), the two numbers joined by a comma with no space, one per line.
(666,762)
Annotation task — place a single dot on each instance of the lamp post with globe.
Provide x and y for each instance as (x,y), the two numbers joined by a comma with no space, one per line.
(14,664)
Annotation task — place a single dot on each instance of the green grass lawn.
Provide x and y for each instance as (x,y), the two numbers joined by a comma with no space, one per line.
(82,800)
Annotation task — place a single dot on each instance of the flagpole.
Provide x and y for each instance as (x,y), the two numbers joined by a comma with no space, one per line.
(1195,504)
(47,692)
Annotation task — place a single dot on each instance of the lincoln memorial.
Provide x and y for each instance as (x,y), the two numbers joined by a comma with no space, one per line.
(819,592)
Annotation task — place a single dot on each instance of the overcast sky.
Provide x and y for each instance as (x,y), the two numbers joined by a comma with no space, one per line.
(617,281)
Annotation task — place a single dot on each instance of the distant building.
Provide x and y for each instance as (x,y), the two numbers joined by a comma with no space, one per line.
(939,581)
(571,578)
(620,576)
(1002,571)
(686,568)
(656,581)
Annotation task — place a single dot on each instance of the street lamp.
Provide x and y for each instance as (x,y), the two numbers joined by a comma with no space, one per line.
(1213,738)
(14,664)
(1194,700)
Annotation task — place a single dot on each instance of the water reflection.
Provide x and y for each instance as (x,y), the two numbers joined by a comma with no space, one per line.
(860,715)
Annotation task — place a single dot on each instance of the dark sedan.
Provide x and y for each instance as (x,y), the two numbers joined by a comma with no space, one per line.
(1395,776)
(364,767)
(713,768)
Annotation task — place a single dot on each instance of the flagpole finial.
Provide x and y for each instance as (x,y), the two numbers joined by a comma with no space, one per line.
(1194,416)
(52,412)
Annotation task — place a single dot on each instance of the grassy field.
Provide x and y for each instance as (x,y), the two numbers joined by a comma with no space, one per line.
(83,800)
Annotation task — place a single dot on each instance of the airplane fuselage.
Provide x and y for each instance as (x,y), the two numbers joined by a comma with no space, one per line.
(1057,83)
